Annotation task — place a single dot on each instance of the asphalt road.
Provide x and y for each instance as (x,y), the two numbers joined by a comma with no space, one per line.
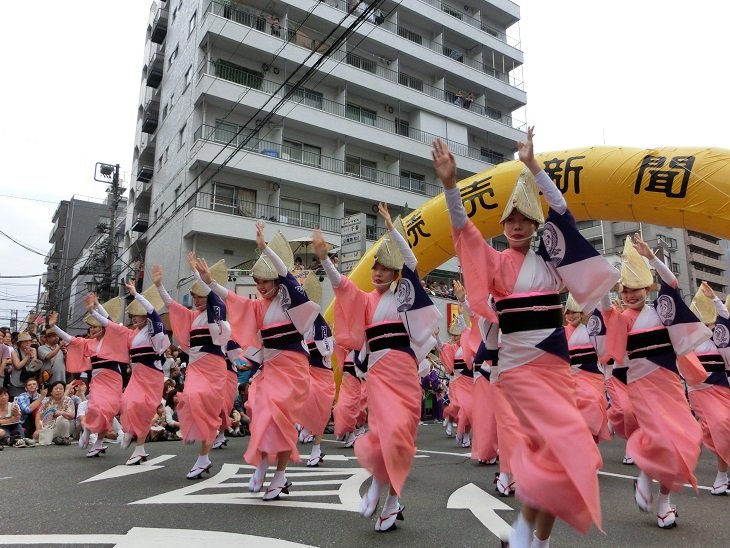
(55,496)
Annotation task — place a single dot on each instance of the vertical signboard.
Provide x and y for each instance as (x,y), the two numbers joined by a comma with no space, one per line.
(353,241)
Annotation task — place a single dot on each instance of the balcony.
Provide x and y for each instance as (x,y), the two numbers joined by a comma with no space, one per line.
(159,26)
(251,212)
(309,39)
(702,243)
(324,163)
(144,173)
(700,259)
(721,281)
(154,70)
(140,222)
(151,116)
(226,71)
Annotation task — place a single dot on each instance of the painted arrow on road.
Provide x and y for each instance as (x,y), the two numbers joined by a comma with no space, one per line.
(123,470)
(483,506)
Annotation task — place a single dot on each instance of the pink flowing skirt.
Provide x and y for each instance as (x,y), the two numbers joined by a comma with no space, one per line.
(556,466)
(280,394)
(484,423)
(348,409)
(667,443)
(509,432)
(140,400)
(590,396)
(105,398)
(621,412)
(394,410)
(712,405)
(199,408)
(317,410)
(229,396)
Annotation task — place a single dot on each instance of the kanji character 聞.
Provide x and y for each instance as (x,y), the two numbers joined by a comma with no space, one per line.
(671,182)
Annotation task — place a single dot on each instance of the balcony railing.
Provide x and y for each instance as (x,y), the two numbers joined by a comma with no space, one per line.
(224,70)
(223,136)
(140,222)
(159,26)
(144,173)
(151,116)
(255,210)
(302,38)
(154,70)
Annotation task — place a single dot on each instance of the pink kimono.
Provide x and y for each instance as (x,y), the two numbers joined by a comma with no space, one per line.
(484,440)
(557,467)
(461,388)
(317,410)
(348,413)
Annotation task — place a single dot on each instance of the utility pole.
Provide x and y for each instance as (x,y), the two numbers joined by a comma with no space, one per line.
(103,173)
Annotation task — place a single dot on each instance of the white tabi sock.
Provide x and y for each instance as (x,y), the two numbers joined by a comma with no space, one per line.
(662,505)
(720,478)
(202,462)
(261,470)
(390,506)
(504,478)
(139,450)
(279,479)
(537,543)
(99,443)
(521,536)
(644,482)
(315,452)
(374,490)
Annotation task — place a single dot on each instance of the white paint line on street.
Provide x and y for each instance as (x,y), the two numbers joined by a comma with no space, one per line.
(124,470)
(463,455)
(483,506)
(602,473)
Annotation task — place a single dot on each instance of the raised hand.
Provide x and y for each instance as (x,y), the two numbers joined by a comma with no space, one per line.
(131,288)
(260,240)
(192,261)
(157,275)
(642,247)
(90,300)
(383,210)
(52,318)
(459,291)
(707,290)
(444,163)
(201,266)
(526,150)
(320,245)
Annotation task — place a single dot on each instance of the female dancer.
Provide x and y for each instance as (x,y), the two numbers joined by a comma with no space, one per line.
(317,411)
(557,468)
(202,333)
(589,390)
(106,352)
(372,321)
(461,387)
(710,399)
(282,316)
(147,344)
(666,444)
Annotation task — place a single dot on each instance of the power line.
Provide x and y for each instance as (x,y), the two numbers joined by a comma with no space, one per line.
(21,244)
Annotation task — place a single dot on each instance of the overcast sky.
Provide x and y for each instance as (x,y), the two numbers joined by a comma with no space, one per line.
(639,73)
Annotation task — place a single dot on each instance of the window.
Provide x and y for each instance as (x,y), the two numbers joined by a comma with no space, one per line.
(365,169)
(307,96)
(191,25)
(178,192)
(494,114)
(410,81)
(238,74)
(157,213)
(235,135)
(491,156)
(415,182)
(224,198)
(402,127)
(165,155)
(181,136)
(360,114)
(371,227)
(174,12)
(188,76)
(675,268)
(173,56)
(299,213)
(164,111)
(410,35)
(358,62)
(453,12)
(172,99)
(302,153)
(666,241)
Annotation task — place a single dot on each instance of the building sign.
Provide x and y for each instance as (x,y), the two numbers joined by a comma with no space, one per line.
(353,241)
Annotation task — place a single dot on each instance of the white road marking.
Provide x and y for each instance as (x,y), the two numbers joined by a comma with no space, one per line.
(483,506)
(123,470)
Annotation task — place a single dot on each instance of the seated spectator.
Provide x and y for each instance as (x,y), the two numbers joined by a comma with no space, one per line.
(172,424)
(443,290)
(167,387)
(29,402)
(239,405)
(54,419)
(77,390)
(158,430)
(10,427)
(298,264)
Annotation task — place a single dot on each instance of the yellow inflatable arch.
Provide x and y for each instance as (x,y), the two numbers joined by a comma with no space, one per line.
(677,187)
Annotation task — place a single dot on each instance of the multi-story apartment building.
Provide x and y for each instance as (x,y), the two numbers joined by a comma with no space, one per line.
(210,161)
(76,223)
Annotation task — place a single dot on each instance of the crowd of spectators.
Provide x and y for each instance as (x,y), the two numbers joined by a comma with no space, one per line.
(439,289)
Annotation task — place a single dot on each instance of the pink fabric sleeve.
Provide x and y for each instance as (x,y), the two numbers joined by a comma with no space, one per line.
(181,321)
(480,264)
(691,369)
(77,356)
(350,314)
(116,343)
(617,334)
(447,353)
(242,317)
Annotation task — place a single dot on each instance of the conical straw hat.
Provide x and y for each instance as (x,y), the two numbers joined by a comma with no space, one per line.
(388,253)
(703,308)
(525,198)
(113,307)
(455,327)
(572,305)
(264,269)
(313,288)
(635,273)
(135,308)
(219,272)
